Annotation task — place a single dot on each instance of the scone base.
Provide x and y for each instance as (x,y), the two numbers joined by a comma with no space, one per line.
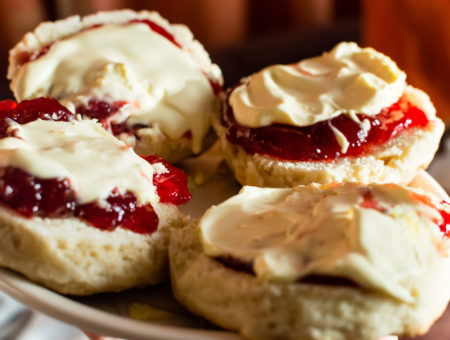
(70,257)
(262,310)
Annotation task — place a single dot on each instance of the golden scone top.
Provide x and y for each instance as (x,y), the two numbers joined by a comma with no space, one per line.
(380,236)
(348,79)
(161,82)
(94,161)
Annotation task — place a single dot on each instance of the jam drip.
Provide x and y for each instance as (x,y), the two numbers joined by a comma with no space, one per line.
(54,197)
(317,142)
(171,186)
(157,29)
(444,225)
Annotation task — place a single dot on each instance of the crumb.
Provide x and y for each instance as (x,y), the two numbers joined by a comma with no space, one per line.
(144,312)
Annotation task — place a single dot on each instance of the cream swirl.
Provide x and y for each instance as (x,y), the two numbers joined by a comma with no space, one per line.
(348,79)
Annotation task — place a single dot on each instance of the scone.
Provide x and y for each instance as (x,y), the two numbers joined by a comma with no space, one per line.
(331,262)
(80,212)
(347,115)
(148,82)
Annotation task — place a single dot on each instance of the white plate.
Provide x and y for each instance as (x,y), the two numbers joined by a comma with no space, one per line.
(109,313)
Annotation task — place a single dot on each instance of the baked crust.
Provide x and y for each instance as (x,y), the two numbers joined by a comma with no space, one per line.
(71,257)
(262,310)
(148,140)
(398,161)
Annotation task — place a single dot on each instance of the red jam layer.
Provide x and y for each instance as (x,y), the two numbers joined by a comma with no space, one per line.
(171,186)
(30,110)
(54,197)
(317,142)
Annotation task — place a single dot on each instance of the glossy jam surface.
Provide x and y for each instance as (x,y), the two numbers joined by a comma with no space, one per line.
(54,197)
(318,142)
(171,185)
(445,224)
(102,111)
(31,196)
(31,110)
(123,211)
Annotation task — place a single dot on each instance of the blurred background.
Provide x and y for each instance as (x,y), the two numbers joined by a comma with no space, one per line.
(243,36)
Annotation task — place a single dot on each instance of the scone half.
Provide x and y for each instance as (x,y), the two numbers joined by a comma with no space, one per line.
(80,212)
(148,81)
(276,131)
(275,304)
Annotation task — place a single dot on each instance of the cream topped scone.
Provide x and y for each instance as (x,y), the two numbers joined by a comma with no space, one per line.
(147,81)
(342,261)
(347,115)
(80,211)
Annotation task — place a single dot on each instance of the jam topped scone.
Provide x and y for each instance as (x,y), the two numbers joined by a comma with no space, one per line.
(147,81)
(80,211)
(346,115)
(340,261)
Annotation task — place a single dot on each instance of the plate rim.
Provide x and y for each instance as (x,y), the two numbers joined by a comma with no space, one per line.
(89,318)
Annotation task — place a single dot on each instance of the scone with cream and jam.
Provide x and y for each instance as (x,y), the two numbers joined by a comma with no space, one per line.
(80,211)
(347,115)
(147,81)
(330,262)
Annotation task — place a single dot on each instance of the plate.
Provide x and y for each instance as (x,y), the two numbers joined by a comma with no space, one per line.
(152,312)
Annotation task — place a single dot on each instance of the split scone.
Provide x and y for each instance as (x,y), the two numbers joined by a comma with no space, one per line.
(80,212)
(347,115)
(335,262)
(147,81)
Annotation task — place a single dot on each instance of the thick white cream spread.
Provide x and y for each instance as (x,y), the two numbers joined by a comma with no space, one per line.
(162,83)
(382,237)
(82,151)
(348,79)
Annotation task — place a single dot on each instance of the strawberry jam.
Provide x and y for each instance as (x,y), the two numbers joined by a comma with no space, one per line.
(54,197)
(30,110)
(317,142)
(445,224)
(171,185)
